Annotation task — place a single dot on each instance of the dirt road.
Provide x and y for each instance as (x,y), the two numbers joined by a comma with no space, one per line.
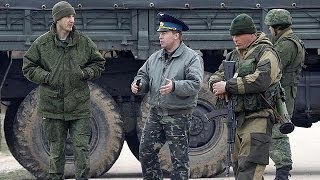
(8,163)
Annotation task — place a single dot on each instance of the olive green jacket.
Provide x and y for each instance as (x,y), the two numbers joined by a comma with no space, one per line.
(292,54)
(62,70)
(184,68)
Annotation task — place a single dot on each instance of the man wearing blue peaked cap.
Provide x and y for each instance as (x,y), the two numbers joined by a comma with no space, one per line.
(168,22)
(172,76)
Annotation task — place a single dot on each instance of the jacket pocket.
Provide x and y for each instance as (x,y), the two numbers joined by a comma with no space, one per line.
(76,74)
(49,100)
(246,67)
(47,91)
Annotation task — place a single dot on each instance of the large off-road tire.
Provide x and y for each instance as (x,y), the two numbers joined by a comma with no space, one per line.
(8,126)
(208,140)
(31,147)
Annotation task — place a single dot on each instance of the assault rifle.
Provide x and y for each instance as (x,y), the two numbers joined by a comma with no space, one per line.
(228,113)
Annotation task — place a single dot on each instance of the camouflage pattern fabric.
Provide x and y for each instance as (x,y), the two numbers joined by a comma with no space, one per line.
(291,92)
(280,151)
(254,127)
(252,148)
(159,129)
(257,81)
(170,113)
(62,70)
(277,17)
(56,131)
(292,54)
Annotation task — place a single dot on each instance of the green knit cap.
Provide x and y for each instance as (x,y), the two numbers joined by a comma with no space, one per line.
(242,24)
(62,9)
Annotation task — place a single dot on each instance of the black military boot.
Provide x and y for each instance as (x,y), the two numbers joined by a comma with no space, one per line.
(283,173)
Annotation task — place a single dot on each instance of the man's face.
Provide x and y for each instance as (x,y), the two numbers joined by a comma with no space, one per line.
(168,39)
(243,41)
(66,23)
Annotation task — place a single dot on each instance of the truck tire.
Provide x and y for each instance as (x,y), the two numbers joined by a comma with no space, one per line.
(106,139)
(8,126)
(208,140)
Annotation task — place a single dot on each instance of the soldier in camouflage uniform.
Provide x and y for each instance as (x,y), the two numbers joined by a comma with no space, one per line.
(291,51)
(173,77)
(61,61)
(255,81)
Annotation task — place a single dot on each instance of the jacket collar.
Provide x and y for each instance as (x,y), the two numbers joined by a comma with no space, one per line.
(73,37)
(176,53)
(282,34)
(261,39)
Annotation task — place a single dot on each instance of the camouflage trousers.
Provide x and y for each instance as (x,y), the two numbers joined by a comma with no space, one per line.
(173,129)
(251,153)
(280,151)
(56,131)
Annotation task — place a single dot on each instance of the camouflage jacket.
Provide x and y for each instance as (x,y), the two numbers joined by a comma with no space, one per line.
(185,68)
(248,82)
(292,54)
(62,70)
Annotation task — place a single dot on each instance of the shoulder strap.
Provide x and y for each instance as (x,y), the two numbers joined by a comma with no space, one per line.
(265,47)
(297,42)
(260,50)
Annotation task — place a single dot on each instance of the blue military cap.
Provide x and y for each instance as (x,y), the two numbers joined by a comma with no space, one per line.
(168,22)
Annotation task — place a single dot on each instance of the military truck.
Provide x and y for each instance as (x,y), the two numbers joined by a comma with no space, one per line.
(125,32)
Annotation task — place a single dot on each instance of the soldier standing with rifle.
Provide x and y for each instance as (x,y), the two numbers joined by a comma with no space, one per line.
(229,113)
(256,78)
(291,52)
